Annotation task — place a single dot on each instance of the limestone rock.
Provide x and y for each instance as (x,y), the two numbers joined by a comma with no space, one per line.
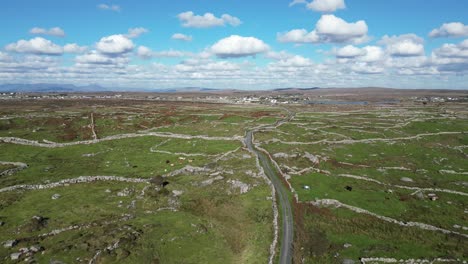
(10,243)
(15,256)
(406,179)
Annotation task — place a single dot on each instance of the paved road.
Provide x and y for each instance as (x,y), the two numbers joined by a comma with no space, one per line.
(286,211)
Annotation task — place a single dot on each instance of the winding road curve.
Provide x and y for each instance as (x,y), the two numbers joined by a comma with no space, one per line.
(286,211)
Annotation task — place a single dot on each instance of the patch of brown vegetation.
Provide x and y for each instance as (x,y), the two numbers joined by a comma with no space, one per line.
(308,241)
(260,114)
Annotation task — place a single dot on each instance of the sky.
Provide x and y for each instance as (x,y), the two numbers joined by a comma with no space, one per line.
(235,44)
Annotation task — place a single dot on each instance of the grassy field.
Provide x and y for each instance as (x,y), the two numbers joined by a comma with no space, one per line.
(203,200)
(376,159)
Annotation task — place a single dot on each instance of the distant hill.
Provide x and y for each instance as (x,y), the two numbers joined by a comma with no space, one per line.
(50,88)
(295,89)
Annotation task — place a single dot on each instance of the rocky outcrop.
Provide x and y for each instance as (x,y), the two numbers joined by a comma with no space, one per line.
(338,204)
(187,169)
(50,144)
(66,182)
(18,167)
(236,184)
(407,261)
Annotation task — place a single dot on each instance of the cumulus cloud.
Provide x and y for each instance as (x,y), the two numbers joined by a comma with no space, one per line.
(115,45)
(136,32)
(189,19)
(237,46)
(407,45)
(329,29)
(349,51)
(55,31)
(115,8)
(36,45)
(28,64)
(326,5)
(453,50)
(5,57)
(98,58)
(93,58)
(366,54)
(372,54)
(74,48)
(180,36)
(205,67)
(299,36)
(294,61)
(453,30)
(451,57)
(365,68)
(146,53)
(335,29)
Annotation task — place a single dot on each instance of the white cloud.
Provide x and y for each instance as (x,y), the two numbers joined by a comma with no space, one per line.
(115,45)
(146,53)
(349,51)
(29,63)
(55,31)
(136,32)
(231,20)
(365,68)
(237,46)
(170,54)
(451,57)
(206,67)
(326,5)
(335,29)
(189,19)
(115,8)
(74,48)
(329,29)
(281,55)
(4,57)
(366,55)
(453,50)
(372,54)
(180,36)
(36,45)
(95,57)
(464,44)
(295,61)
(298,36)
(296,2)
(407,45)
(454,30)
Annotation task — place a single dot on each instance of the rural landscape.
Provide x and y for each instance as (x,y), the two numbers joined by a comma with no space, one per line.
(234,132)
(134,180)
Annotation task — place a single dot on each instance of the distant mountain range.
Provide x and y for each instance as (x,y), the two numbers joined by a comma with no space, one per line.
(61,88)
(295,89)
(50,88)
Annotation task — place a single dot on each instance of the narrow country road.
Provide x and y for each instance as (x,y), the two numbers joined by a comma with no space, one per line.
(284,203)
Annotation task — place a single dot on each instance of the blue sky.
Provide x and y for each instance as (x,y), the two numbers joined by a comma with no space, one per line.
(236,44)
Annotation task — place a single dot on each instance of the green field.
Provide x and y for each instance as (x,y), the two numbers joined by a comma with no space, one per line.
(167,182)
(376,159)
(198,200)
